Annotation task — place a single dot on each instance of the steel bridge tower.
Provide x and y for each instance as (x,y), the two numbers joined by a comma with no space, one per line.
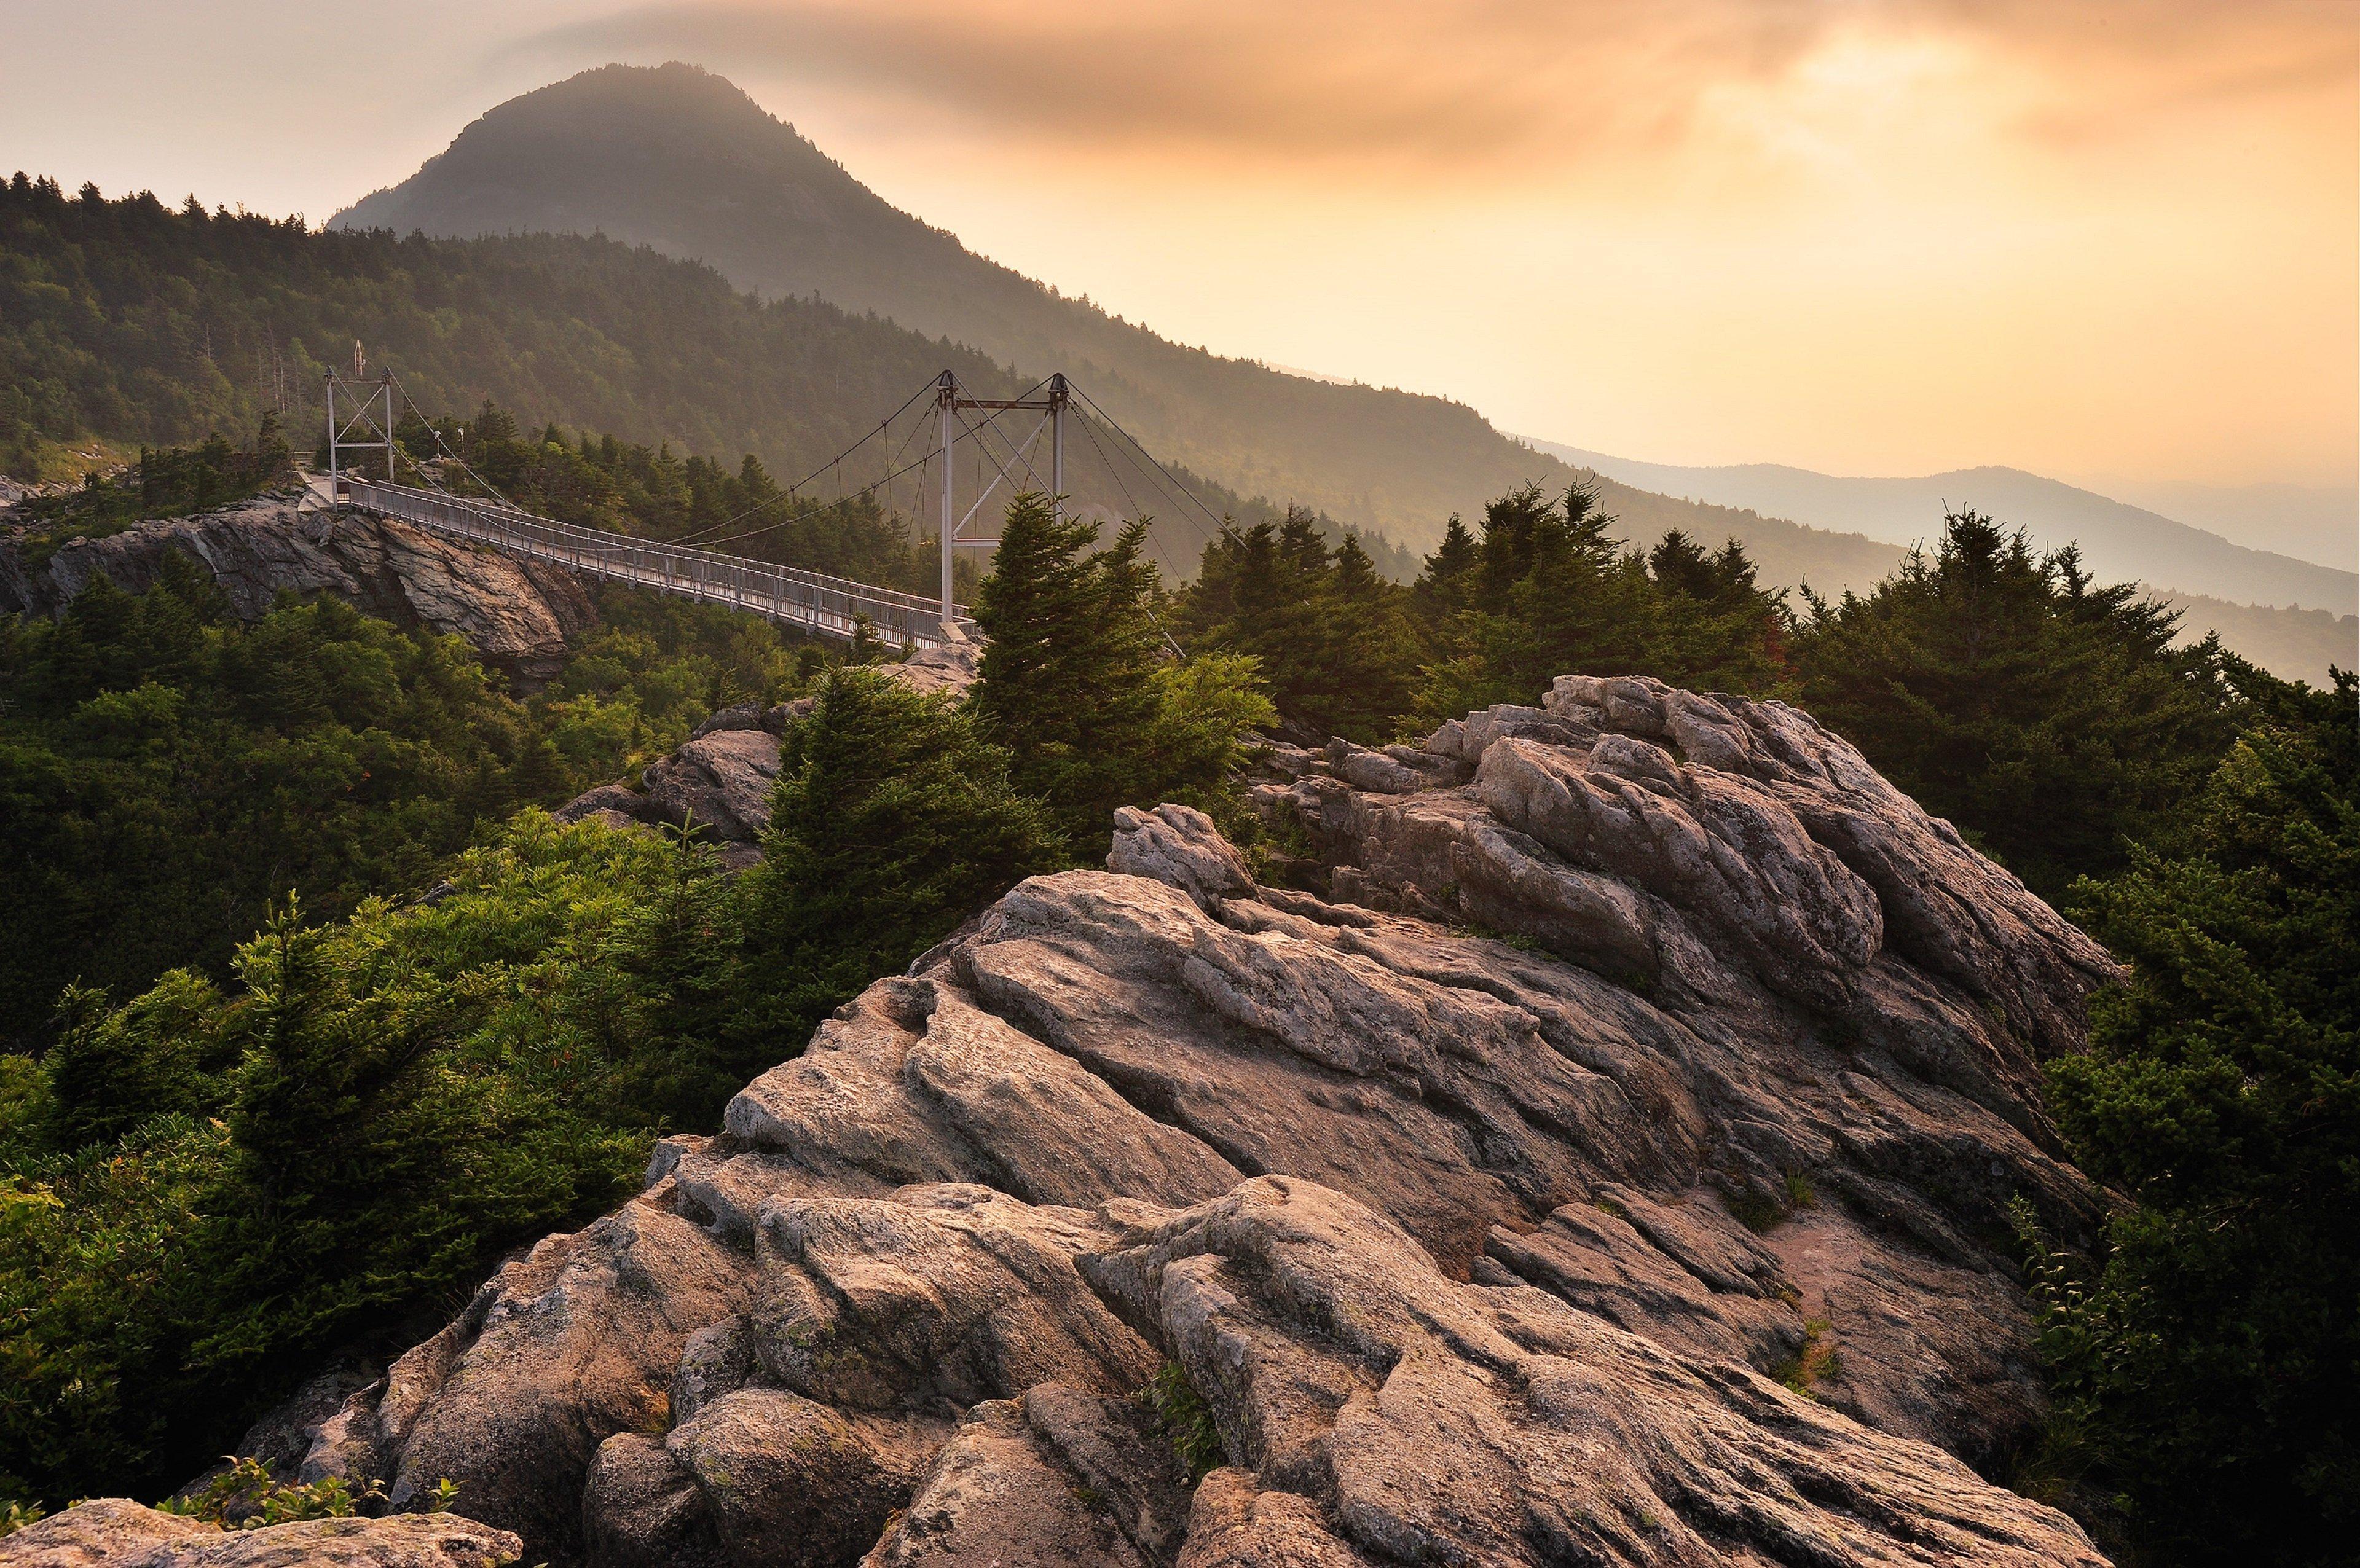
(948,401)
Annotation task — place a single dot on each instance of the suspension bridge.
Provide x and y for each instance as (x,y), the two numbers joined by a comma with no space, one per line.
(364,415)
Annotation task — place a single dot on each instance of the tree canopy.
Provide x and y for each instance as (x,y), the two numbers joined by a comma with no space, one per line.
(2209,1371)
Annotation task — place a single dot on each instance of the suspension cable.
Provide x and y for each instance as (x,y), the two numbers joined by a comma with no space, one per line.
(768,528)
(1169,640)
(791,490)
(1126,435)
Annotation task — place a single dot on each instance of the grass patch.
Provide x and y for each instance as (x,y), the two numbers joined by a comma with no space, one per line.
(1817,1360)
(1757,1211)
(1186,1420)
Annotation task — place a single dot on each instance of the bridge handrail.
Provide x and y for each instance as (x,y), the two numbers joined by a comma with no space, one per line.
(657,564)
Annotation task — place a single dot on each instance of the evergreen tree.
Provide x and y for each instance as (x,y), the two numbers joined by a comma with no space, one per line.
(669,976)
(111,1070)
(2050,719)
(1066,684)
(2210,1372)
(1331,638)
(1550,593)
(1720,629)
(893,819)
(1443,587)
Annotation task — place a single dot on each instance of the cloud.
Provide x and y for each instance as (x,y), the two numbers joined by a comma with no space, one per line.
(1470,88)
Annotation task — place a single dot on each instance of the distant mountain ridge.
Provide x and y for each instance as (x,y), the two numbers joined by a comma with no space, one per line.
(682,161)
(678,159)
(2119,542)
(2318,523)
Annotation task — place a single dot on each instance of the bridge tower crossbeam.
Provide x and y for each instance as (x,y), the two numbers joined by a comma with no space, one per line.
(949,400)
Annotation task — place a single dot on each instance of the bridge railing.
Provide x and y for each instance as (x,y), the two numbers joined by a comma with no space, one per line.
(811,600)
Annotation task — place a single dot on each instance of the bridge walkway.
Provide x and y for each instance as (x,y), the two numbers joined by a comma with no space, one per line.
(808,601)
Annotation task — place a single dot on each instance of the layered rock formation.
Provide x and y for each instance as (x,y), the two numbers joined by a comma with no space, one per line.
(517,613)
(1661,1220)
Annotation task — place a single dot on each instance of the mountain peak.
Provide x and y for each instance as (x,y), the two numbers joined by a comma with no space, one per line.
(573,157)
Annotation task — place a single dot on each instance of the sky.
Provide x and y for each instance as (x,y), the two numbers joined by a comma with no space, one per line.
(1867,237)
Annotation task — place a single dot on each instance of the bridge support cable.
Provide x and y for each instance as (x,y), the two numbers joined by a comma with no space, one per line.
(1178,485)
(1169,640)
(690,565)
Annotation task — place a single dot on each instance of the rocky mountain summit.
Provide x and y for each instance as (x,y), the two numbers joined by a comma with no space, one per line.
(1613,1166)
(517,613)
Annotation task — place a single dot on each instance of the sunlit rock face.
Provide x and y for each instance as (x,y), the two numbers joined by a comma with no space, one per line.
(517,614)
(1610,1164)
(114,1532)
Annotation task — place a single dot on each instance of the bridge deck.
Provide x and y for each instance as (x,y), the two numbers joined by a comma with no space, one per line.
(809,601)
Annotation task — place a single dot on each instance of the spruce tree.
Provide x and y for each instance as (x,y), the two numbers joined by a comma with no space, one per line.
(893,819)
(1442,588)
(1067,681)
(2051,720)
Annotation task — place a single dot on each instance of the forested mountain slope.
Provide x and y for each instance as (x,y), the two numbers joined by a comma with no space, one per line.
(680,159)
(683,160)
(133,320)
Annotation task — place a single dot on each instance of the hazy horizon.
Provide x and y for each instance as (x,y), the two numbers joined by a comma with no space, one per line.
(1896,238)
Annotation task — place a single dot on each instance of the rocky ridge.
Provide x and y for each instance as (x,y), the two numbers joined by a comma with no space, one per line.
(517,613)
(1612,1167)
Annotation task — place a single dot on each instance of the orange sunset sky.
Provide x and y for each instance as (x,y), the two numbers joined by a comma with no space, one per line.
(2095,240)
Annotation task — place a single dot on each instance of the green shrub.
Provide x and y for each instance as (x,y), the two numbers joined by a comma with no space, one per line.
(1186,1420)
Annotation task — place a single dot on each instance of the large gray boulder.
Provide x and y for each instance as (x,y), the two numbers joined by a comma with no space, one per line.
(517,614)
(1616,1167)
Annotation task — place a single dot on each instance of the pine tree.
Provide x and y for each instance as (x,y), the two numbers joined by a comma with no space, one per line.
(1066,684)
(893,819)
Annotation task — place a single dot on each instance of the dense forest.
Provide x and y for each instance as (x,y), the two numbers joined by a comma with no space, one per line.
(167,772)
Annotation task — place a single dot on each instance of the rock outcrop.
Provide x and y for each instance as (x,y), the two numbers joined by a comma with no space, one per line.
(517,613)
(112,1532)
(720,779)
(1613,1167)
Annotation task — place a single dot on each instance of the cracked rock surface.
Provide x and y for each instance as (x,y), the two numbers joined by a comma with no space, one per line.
(517,614)
(1610,1165)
